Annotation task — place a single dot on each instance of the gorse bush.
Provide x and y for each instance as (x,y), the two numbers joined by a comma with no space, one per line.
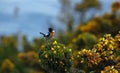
(30,57)
(109,69)
(87,59)
(56,57)
(84,40)
(104,55)
(7,66)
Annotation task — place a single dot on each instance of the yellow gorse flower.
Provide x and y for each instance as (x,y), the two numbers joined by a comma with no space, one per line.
(70,50)
(39,60)
(65,69)
(117,66)
(61,63)
(109,69)
(7,65)
(52,49)
(55,42)
(46,56)
(54,52)
(58,47)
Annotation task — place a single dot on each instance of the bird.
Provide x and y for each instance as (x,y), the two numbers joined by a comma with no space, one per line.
(50,34)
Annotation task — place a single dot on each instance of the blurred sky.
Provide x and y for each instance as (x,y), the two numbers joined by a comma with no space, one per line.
(34,15)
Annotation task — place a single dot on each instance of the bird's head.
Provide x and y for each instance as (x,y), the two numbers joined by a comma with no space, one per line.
(51,31)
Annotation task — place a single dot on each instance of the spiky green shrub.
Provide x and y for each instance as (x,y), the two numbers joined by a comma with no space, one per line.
(55,57)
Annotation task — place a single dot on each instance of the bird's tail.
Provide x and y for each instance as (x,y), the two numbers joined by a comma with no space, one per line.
(42,34)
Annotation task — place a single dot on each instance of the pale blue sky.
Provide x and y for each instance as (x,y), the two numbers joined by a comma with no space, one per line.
(48,7)
(33,15)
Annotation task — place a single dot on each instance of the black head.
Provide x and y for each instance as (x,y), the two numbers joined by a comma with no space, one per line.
(50,29)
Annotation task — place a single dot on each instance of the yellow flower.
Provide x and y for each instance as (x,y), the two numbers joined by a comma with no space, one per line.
(117,66)
(70,50)
(74,40)
(56,62)
(111,57)
(39,60)
(84,50)
(58,46)
(65,69)
(72,58)
(79,52)
(106,42)
(112,67)
(46,56)
(78,56)
(111,52)
(7,65)
(118,59)
(102,72)
(61,63)
(117,37)
(55,42)
(102,39)
(22,56)
(106,58)
(54,46)
(82,61)
(108,35)
(52,49)
(54,52)
(109,69)
(110,47)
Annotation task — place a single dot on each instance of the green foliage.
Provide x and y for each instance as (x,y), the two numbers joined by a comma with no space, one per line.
(56,57)
(85,5)
(85,40)
(26,44)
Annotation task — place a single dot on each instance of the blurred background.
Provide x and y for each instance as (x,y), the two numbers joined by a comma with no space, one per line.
(77,23)
(30,17)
